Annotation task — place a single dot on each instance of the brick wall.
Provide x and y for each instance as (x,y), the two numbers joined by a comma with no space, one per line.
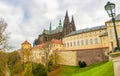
(91,56)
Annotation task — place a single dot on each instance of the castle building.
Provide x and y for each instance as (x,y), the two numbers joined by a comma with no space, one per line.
(91,45)
(41,53)
(57,33)
(25,51)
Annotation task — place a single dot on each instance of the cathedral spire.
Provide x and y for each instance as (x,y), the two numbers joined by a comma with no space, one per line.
(72,21)
(66,24)
(73,24)
(66,14)
(50,28)
(66,20)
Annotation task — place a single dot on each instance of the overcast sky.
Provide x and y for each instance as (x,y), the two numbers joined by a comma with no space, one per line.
(28,18)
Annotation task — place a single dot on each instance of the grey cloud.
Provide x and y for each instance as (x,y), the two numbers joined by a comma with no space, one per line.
(86,13)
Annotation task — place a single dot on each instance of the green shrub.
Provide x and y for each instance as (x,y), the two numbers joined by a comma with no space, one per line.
(82,64)
(34,69)
(39,70)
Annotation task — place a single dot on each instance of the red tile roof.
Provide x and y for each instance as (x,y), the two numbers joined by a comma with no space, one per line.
(25,42)
(40,46)
(43,45)
(56,41)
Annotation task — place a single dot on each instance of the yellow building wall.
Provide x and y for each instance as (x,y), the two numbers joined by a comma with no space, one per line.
(26,48)
(101,41)
(111,34)
(38,54)
(67,58)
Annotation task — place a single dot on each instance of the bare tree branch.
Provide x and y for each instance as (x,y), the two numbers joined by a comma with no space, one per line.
(3,34)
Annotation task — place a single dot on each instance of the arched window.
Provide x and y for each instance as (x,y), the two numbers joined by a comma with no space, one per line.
(111,36)
(67,44)
(78,43)
(71,44)
(86,42)
(82,42)
(74,43)
(91,41)
(96,40)
(110,30)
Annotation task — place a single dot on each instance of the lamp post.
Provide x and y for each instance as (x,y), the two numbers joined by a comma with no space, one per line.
(110,8)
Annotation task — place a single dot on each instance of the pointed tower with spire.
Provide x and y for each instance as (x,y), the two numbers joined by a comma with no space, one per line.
(50,27)
(66,24)
(73,24)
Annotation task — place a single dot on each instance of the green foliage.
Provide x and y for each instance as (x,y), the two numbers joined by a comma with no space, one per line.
(13,58)
(14,63)
(82,64)
(18,68)
(28,69)
(3,63)
(34,69)
(39,70)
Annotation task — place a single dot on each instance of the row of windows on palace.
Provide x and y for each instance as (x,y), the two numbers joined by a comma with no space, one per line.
(86,34)
(82,42)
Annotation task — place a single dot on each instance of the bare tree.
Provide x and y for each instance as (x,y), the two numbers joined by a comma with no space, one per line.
(3,35)
(47,50)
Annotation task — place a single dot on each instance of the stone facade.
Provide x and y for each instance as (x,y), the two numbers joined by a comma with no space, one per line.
(41,53)
(91,56)
(25,51)
(67,58)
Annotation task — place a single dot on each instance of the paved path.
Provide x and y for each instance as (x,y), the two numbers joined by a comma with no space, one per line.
(53,73)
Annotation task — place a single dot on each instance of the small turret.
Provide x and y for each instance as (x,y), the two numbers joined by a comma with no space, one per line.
(60,24)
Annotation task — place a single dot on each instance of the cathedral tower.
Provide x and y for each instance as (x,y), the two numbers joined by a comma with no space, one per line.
(73,24)
(68,26)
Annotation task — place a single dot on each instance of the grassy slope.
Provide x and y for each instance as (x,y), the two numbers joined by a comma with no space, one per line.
(103,70)
(99,69)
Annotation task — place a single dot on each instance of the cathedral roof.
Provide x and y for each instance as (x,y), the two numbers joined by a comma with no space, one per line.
(57,30)
(86,30)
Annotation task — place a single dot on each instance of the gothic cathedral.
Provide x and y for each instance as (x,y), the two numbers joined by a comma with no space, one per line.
(57,33)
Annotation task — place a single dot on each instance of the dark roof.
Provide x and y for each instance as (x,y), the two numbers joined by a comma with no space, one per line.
(116,18)
(57,30)
(86,30)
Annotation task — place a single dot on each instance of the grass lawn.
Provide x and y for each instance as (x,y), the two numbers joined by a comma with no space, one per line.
(99,69)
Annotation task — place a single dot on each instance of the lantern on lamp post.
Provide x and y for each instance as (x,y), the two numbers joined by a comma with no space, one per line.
(110,8)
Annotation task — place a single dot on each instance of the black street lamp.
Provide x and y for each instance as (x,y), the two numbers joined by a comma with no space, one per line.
(110,8)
